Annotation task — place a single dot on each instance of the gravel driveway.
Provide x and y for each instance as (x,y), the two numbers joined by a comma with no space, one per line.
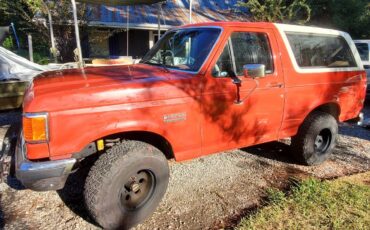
(210,192)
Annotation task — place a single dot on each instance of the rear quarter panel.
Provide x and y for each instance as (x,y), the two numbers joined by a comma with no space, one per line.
(308,89)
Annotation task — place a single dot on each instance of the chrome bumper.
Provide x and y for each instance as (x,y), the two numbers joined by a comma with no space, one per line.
(41,176)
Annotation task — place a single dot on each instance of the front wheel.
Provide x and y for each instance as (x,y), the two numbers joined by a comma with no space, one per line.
(126,184)
(315,139)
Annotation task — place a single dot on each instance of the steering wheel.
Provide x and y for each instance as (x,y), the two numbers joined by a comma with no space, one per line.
(171,54)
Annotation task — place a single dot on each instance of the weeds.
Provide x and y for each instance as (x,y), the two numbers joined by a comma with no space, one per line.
(315,204)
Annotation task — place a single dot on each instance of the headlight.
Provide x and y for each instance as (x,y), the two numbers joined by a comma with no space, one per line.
(35,127)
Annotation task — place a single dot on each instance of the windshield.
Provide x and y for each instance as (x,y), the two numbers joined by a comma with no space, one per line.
(363,49)
(184,49)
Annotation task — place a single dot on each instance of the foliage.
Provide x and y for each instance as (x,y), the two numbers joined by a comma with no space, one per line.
(352,16)
(294,11)
(8,43)
(30,17)
(312,204)
(38,57)
(41,58)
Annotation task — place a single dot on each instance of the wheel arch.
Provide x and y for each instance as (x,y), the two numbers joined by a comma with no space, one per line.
(331,108)
(148,137)
(152,138)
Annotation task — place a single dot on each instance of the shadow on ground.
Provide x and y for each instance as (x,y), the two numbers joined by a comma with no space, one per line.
(278,151)
(352,130)
(10,117)
(11,125)
(72,193)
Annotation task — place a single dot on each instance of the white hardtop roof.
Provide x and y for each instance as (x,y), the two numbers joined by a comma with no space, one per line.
(308,29)
(283,28)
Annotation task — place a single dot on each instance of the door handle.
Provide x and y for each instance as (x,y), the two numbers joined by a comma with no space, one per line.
(275,85)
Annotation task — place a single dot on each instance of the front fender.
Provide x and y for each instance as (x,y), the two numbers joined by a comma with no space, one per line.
(88,132)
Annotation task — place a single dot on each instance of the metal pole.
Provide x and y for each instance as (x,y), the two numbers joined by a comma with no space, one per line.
(127,27)
(30,47)
(53,48)
(159,20)
(190,10)
(81,64)
(15,34)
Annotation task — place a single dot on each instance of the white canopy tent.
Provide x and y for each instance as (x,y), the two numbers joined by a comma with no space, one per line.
(14,67)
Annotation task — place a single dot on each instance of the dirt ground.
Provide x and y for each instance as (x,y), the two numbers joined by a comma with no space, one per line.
(207,193)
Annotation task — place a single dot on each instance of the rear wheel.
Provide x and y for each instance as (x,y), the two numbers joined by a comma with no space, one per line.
(315,139)
(126,184)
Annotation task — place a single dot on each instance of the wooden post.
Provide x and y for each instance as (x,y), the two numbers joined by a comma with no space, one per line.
(53,48)
(30,47)
(151,39)
(77,32)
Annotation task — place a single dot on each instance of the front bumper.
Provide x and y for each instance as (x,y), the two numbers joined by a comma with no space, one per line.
(41,176)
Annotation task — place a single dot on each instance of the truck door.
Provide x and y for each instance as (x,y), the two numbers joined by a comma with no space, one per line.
(238,115)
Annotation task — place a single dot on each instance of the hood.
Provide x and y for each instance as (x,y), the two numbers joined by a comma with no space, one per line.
(99,86)
(94,77)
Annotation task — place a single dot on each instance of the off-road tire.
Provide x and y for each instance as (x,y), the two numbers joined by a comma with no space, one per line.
(303,144)
(103,186)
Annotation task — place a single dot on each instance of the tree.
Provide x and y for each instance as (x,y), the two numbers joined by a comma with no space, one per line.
(352,16)
(284,11)
(21,14)
(30,17)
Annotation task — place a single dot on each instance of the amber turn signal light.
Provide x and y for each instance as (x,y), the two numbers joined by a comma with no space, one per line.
(35,127)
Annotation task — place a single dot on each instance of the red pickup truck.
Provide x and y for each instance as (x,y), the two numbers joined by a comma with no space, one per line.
(201,89)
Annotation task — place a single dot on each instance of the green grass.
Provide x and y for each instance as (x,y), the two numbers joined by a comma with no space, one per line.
(312,204)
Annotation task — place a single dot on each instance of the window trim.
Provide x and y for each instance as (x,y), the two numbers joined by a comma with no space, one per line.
(323,36)
(231,52)
(283,28)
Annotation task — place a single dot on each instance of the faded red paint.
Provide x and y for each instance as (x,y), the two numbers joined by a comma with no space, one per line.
(86,105)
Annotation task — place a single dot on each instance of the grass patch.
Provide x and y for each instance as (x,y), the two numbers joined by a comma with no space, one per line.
(314,204)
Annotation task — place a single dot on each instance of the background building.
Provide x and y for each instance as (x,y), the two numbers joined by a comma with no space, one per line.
(142,20)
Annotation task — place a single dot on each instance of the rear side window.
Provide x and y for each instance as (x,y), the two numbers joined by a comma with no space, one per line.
(363,49)
(320,51)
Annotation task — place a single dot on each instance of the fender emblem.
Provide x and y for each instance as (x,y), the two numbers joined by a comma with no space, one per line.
(174,117)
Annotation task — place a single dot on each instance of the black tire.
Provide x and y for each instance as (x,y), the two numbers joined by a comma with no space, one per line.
(315,139)
(112,188)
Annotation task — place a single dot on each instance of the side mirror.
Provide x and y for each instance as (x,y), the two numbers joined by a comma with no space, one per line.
(254,70)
